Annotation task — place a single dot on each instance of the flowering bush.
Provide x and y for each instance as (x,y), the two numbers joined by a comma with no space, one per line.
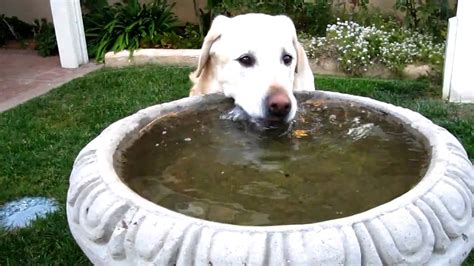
(356,47)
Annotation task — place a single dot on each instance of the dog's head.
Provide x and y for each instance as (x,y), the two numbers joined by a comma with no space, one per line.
(257,60)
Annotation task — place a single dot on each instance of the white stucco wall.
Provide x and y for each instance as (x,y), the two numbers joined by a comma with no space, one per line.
(26,10)
(29,10)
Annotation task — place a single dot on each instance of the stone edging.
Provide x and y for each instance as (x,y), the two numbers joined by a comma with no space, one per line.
(183,57)
(430,224)
(189,57)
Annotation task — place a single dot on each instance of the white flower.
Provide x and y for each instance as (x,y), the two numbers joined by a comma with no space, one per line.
(350,40)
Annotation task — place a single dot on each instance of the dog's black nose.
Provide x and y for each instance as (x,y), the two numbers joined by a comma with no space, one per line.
(278,105)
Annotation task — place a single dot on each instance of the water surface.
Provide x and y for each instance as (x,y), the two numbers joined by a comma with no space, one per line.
(338,159)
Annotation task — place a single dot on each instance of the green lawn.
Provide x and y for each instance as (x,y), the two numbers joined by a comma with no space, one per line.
(40,139)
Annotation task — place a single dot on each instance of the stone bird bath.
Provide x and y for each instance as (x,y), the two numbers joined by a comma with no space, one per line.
(430,223)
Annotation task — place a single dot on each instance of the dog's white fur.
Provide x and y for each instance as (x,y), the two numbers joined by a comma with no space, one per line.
(266,37)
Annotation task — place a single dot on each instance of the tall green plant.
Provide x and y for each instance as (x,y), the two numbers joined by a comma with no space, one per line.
(45,38)
(427,16)
(94,5)
(11,28)
(127,26)
(309,16)
(410,7)
(213,8)
(313,18)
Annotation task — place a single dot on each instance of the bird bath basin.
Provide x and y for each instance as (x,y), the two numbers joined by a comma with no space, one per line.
(353,181)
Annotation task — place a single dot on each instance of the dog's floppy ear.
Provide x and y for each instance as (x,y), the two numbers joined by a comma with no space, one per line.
(214,34)
(304,79)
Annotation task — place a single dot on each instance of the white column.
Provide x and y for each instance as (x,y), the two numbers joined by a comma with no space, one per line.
(67,18)
(458,84)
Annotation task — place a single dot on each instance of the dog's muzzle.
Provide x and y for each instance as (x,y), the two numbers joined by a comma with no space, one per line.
(264,126)
(238,114)
(277,107)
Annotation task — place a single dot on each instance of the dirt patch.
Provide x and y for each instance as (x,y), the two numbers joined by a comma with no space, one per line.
(329,66)
(28,44)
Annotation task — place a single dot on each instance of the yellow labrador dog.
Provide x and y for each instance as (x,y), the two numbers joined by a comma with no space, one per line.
(257,60)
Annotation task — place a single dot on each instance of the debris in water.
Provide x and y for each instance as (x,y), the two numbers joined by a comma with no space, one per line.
(299,133)
(187,139)
(315,102)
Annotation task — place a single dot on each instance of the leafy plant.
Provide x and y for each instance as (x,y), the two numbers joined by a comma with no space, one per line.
(94,26)
(213,8)
(182,38)
(311,17)
(410,7)
(350,8)
(5,32)
(370,17)
(429,16)
(186,37)
(352,4)
(11,28)
(127,25)
(45,38)
(94,5)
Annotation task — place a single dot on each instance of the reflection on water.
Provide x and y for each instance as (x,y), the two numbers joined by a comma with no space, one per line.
(336,160)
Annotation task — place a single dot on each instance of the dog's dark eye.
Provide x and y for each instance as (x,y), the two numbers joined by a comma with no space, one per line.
(246,60)
(287,59)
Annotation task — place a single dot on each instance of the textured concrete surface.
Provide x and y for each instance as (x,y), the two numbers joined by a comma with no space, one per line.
(184,57)
(24,75)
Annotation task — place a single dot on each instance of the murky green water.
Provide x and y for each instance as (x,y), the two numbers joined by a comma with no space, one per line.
(336,161)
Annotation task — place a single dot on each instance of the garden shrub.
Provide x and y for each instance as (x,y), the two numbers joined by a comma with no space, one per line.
(186,37)
(5,33)
(11,28)
(45,38)
(94,5)
(311,17)
(356,47)
(127,25)
(428,17)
